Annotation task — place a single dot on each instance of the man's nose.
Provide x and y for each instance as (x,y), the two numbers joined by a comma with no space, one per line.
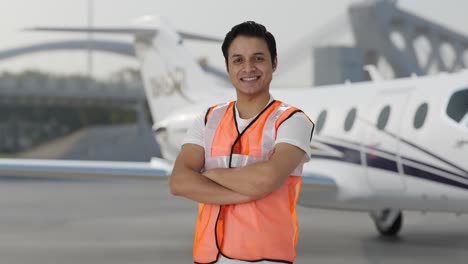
(249,66)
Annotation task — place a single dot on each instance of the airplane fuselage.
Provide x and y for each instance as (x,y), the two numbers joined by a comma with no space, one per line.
(388,144)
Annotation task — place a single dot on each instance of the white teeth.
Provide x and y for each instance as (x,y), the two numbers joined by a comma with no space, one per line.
(250,79)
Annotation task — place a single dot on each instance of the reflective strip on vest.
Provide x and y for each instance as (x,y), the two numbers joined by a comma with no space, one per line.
(264,229)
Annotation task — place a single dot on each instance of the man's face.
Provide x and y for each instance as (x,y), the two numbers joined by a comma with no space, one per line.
(249,65)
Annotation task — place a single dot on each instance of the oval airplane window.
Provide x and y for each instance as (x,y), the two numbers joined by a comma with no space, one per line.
(349,121)
(321,121)
(383,117)
(420,116)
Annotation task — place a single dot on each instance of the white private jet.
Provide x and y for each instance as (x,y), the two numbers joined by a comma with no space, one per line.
(380,147)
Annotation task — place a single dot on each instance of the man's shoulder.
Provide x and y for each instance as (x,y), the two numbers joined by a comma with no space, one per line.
(294,112)
(219,109)
(220,104)
(291,109)
(288,105)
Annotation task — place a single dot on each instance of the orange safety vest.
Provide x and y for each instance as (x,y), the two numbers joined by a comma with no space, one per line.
(264,229)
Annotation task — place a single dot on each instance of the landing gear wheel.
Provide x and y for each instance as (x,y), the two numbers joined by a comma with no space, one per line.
(388,222)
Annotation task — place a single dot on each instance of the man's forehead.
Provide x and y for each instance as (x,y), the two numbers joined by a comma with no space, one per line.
(252,45)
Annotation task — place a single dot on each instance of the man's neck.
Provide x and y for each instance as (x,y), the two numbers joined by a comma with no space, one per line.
(250,106)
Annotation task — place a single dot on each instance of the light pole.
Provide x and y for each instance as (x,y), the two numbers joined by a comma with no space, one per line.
(90,38)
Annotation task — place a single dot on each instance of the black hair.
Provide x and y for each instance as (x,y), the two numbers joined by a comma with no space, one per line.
(250,29)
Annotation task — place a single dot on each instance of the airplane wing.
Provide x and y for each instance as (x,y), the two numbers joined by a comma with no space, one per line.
(310,180)
(156,169)
(317,189)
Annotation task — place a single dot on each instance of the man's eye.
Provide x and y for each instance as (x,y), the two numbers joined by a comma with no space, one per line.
(259,58)
(238,60)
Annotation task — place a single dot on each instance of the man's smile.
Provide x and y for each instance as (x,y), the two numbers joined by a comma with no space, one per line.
(247,79)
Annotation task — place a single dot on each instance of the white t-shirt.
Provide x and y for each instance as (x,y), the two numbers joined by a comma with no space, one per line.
(296,130)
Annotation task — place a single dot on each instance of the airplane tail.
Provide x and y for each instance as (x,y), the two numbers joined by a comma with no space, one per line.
(171,76)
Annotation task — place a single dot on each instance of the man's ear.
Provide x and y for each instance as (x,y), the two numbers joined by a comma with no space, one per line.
(275,63)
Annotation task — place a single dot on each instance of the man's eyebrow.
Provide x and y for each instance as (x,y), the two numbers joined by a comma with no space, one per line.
(239,55)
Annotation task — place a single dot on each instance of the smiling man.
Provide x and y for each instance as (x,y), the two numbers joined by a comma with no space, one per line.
(242,161)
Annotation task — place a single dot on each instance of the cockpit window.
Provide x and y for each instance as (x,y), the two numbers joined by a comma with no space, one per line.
(457,108)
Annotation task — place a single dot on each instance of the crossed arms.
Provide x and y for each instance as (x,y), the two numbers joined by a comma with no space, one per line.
(234,185)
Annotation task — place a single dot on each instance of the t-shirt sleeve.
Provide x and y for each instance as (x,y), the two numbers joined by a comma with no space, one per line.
(196,131)
(296,130)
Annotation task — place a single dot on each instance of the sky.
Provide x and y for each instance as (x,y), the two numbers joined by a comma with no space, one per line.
(292,23)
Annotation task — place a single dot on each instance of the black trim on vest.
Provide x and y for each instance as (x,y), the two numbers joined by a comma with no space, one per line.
(312,132)
(258,260)
(216,240)
(206,114)
(245,129)
(208,111)
(313,126)
(300,111)
(290,115)
(216,234)
(212,262)
(235,119)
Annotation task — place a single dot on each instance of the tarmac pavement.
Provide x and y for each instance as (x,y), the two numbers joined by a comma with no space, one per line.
(77,222)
